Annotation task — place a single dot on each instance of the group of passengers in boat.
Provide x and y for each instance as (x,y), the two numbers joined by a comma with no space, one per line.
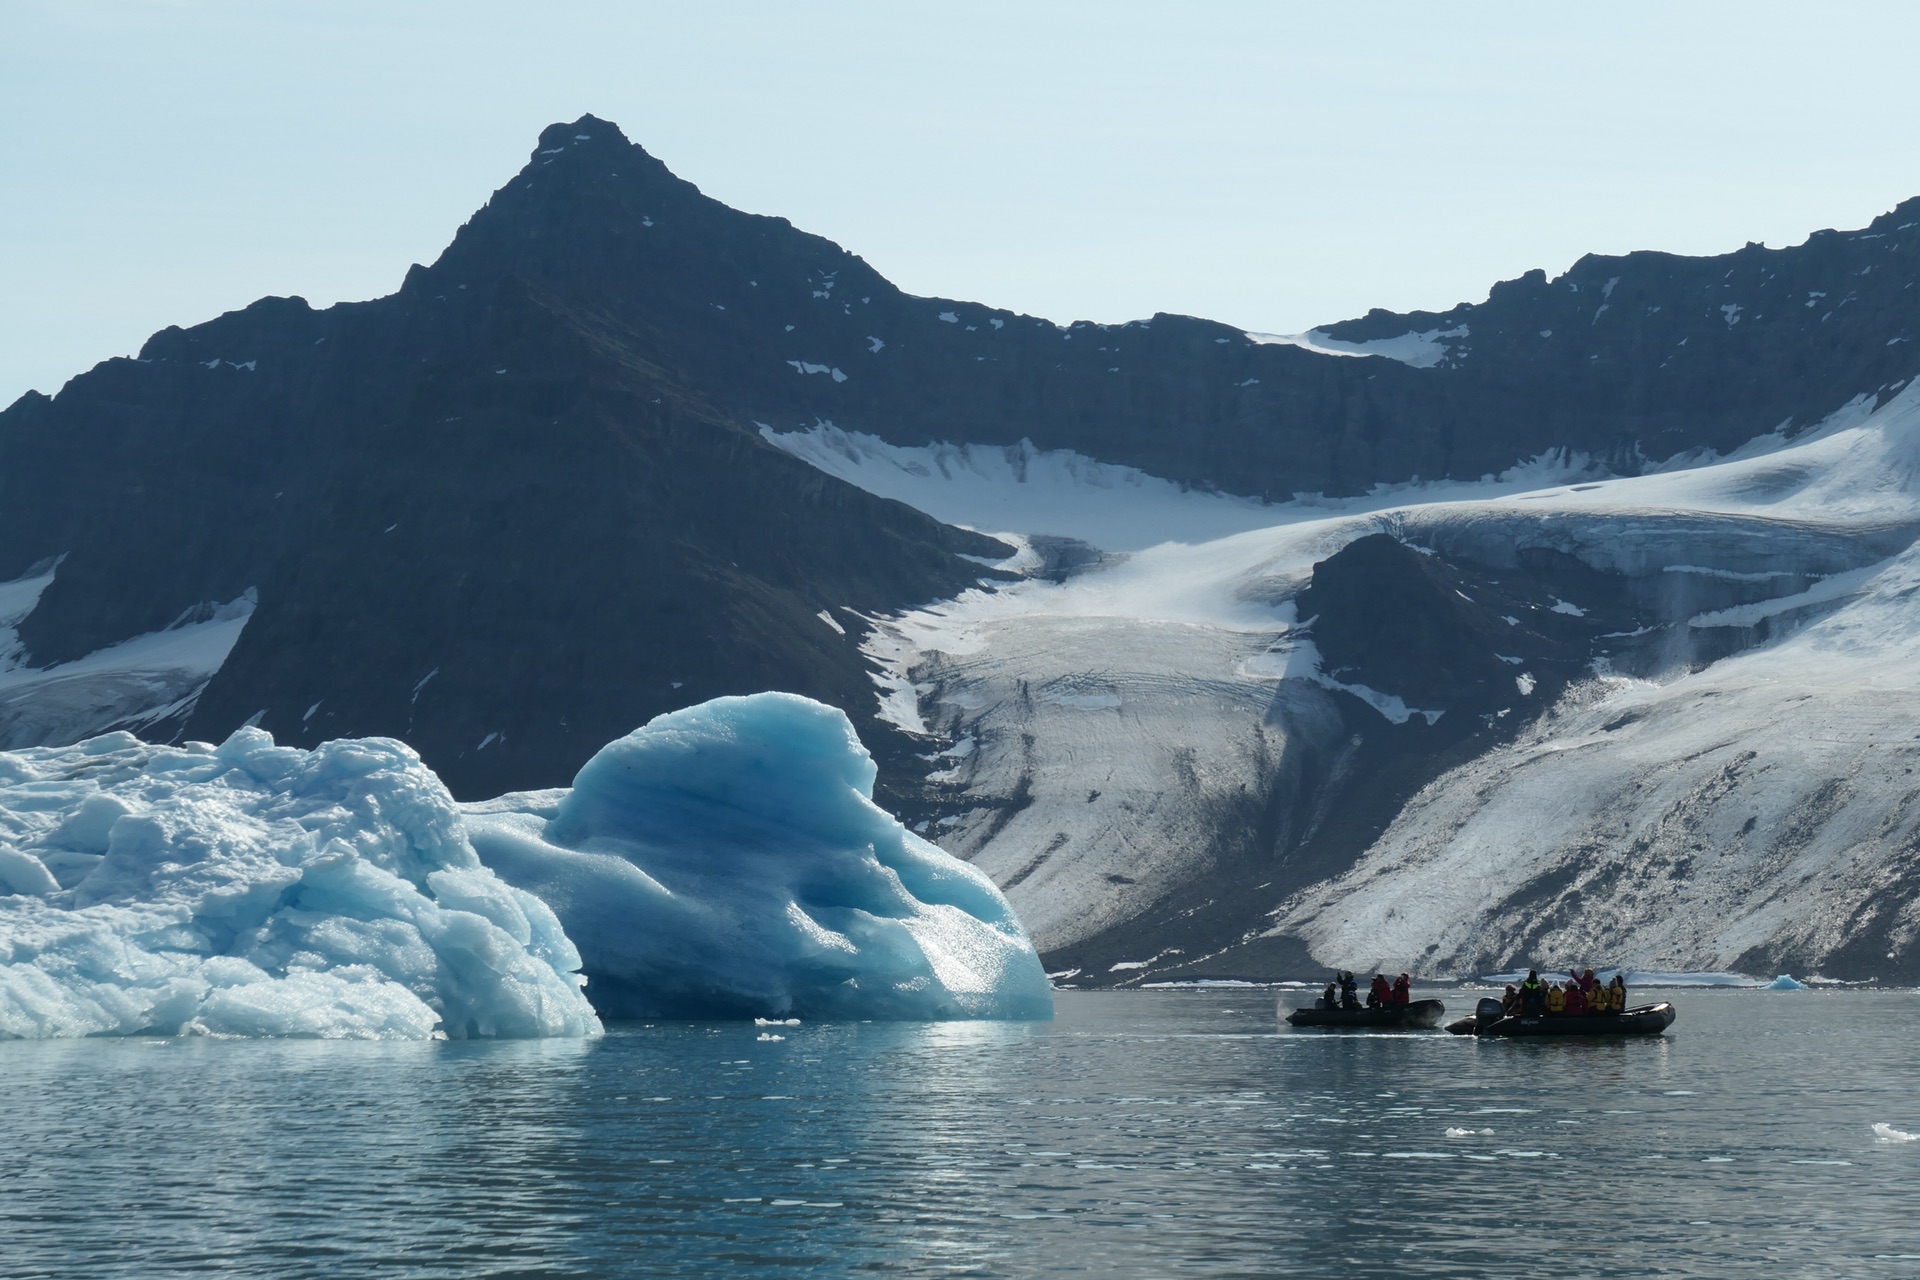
(1344,993)
(1580,995)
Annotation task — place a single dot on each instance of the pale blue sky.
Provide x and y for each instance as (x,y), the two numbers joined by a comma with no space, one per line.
(1271,165)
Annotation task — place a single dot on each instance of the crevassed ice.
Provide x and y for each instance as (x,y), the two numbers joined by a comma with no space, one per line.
(258,890)
(728,860)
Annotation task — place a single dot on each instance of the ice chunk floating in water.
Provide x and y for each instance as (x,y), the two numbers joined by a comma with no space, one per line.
(259,890)
(1786,982)
(1887,1133)
(728,860)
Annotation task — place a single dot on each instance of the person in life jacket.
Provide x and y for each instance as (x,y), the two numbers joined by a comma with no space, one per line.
(1328,1000)
(1576,1001)
(1348,985)
(1588,982)
(1533,995)
(1617,993)
(1556,1000)
(1402,991)
(1510,1001)
(1379,995)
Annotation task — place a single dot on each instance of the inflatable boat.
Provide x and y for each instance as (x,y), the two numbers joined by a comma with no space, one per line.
(1488,1020)
(1415,1015)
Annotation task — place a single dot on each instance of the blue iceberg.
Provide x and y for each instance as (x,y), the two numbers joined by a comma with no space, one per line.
(1786,982)
(257,890)
(728,860)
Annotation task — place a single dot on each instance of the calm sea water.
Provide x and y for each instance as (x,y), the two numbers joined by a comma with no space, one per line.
(1139,1134)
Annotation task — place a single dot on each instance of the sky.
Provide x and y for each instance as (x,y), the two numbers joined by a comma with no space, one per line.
(1271,165)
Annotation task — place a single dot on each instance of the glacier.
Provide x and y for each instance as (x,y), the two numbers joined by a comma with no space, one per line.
(727,859)
(1113,740)
(252,889)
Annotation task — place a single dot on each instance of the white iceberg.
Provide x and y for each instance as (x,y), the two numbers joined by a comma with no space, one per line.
(728,860)
(259,890)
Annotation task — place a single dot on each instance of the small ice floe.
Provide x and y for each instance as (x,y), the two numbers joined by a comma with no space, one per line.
(768,1035)
(1469,1133)
(1887,1133)
(1785,982)
(776,1022)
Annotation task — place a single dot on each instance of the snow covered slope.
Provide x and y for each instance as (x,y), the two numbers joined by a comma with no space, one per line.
(147,684)
(1761,812)
(1142,742)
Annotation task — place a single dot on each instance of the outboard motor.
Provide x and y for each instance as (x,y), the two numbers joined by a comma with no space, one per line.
(1488,1011)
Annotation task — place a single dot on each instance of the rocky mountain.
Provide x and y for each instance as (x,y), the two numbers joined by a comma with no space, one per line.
(1191,638)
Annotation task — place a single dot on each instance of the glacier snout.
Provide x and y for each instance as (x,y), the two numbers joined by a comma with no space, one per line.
(728,860)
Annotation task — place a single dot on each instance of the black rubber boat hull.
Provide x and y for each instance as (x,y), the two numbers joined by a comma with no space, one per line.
(1647,1020)
(1417,1015)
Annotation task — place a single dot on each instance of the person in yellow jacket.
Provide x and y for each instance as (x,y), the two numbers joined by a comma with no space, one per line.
(1556,1000)
(1600,1000)
(1617,993)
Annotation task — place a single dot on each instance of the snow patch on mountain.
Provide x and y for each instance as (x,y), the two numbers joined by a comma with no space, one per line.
(1025,489)
(145,681)
(1422,350)
(1022,491)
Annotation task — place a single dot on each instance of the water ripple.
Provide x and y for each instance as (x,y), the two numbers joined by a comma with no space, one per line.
(1138,1135)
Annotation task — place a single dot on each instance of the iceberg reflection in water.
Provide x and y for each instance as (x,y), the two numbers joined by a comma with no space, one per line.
(1138,1134)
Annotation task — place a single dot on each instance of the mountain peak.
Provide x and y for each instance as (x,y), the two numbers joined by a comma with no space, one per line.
(588,128)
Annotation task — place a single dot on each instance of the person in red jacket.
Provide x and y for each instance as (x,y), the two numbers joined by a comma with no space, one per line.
(1576,1000)
(1380,995)
(1402,991)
